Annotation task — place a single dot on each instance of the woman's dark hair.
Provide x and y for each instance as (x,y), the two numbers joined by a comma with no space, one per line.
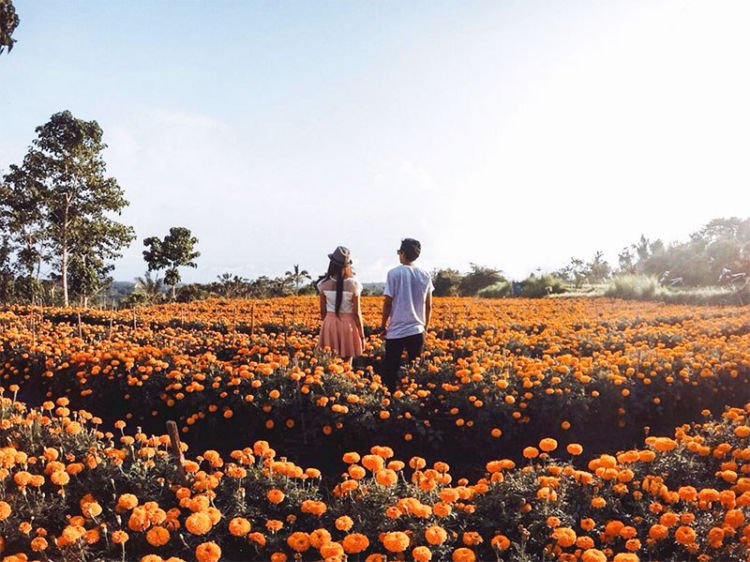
(335,271)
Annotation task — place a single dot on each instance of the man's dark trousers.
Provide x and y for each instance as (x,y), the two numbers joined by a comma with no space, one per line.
(393,350)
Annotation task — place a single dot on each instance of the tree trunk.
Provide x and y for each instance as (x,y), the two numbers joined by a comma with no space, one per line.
(174,292)
(64,264)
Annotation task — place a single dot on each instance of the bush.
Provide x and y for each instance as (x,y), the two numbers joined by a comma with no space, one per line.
(633,287)
(497,291)
(535,287)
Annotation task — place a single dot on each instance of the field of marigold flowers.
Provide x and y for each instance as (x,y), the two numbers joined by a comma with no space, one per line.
(585,429)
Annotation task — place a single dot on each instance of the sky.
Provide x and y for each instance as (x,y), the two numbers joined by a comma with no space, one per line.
(510,134)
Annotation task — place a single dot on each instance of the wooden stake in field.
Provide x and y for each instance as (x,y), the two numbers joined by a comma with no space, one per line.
(252,320)
(176,446)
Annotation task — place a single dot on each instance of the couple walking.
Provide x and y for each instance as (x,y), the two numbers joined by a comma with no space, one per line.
(406,310)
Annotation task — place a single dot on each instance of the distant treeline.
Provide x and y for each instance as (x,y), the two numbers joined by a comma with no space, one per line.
(59,239)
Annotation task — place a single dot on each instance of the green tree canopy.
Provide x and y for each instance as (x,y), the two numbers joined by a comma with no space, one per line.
(177,249)
(478,278)
(8,23)
(61,196)
(446,282)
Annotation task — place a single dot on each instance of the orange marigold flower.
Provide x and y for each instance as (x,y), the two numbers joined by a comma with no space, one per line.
(463,555)
(319,537)
(157,536)
(351,458)
(208,552)
(332,550)
(574,449)
(239,526)
(565,536)
(120,537)
(435,535)
(312,506)
(548,444)
(275,496)
(530,452)
(126,502)
(386,477)
(684,535)
(344,523)
(355,543)
(626,557)
(421,554)
(5,510)
(396,541)
(299,541)
(500,542)
(658,532)
(198,523)
(593,555)
(587,524)
(38,544)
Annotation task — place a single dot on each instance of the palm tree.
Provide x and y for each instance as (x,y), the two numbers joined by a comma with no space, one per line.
(152,288)
(297,277)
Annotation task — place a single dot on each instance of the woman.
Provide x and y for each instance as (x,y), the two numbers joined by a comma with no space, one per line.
(342,329)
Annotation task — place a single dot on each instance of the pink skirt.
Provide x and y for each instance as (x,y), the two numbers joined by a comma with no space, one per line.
(341,335)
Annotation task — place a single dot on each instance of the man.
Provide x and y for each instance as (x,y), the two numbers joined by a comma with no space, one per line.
(406,311)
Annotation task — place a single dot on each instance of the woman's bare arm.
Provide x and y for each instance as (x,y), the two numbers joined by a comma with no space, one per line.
(323,307)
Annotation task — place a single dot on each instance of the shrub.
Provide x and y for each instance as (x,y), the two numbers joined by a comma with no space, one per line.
(633,287)
(496,291)
(535,287)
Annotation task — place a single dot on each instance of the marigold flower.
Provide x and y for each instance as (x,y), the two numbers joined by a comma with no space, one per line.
(208,552)
(198,523)
(5,510)
(548,444)
(396,541)
(299,541)
(435,535)
(500,542)
(463,555)
(421,554)
(355,543)
(275,496)
(119,537)
(239,526)
(344,523)
(332,550)
(684,535)
(157,536)
(593,555)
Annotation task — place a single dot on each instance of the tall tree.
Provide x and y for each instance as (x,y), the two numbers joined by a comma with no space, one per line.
(22,213)
(64,173)
(8,23)
(297,276)
(597,270)
(177,249)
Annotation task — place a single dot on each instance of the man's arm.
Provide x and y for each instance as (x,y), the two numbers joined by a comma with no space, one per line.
(387,306)
(427,310)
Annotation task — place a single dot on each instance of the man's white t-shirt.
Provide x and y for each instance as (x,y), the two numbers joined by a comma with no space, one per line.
(408,287)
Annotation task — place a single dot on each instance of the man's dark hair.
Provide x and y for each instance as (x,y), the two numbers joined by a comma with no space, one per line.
(411,248)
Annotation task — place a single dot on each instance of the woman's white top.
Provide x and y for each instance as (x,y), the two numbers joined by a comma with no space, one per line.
(352,287)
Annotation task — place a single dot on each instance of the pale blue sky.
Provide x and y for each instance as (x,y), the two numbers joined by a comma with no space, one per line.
(510,134)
